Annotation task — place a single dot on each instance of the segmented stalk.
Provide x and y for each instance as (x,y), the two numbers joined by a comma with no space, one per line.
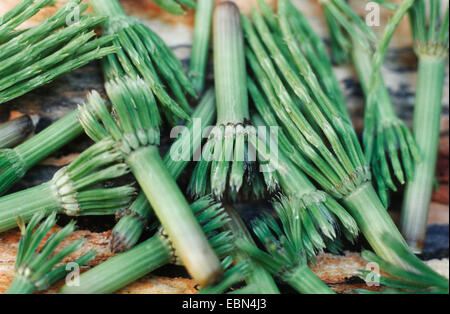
(72,190)
(15,131)
(226,157)
(155,252)
(35,264)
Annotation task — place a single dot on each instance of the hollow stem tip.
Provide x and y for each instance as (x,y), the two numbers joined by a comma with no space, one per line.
(35,264)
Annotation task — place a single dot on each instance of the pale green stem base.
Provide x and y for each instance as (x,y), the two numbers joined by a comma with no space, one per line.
(374,222)
(427,113)
(175,215)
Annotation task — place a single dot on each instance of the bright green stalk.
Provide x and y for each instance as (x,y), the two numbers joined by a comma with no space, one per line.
(226,158)
(40,54)
(128,230)
(14,163)
(200,46)
(15,131)
(34,265)
(144,56)
(148,256)
(432,51)
(257,276)
(136,133)
(229,65)
(72,190)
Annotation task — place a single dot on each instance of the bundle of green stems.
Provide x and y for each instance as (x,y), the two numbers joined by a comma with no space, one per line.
(144,54)
(154,253)
(431,47)
(15,131)
(285,256)
(132,223)
(384,132)
(35,263)
(176,6)
(74,190)
(135,130)
(37,55)
(226,157)
(322,135)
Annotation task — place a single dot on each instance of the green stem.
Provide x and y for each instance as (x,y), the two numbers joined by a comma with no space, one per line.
(49,140)
(123,269)
(21,285)
(229,65)
(259,277)
(427,114)
(362,59)
(25,204)
(175,215)
(200,46)
(374,222)
(306,282)
(15,131)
